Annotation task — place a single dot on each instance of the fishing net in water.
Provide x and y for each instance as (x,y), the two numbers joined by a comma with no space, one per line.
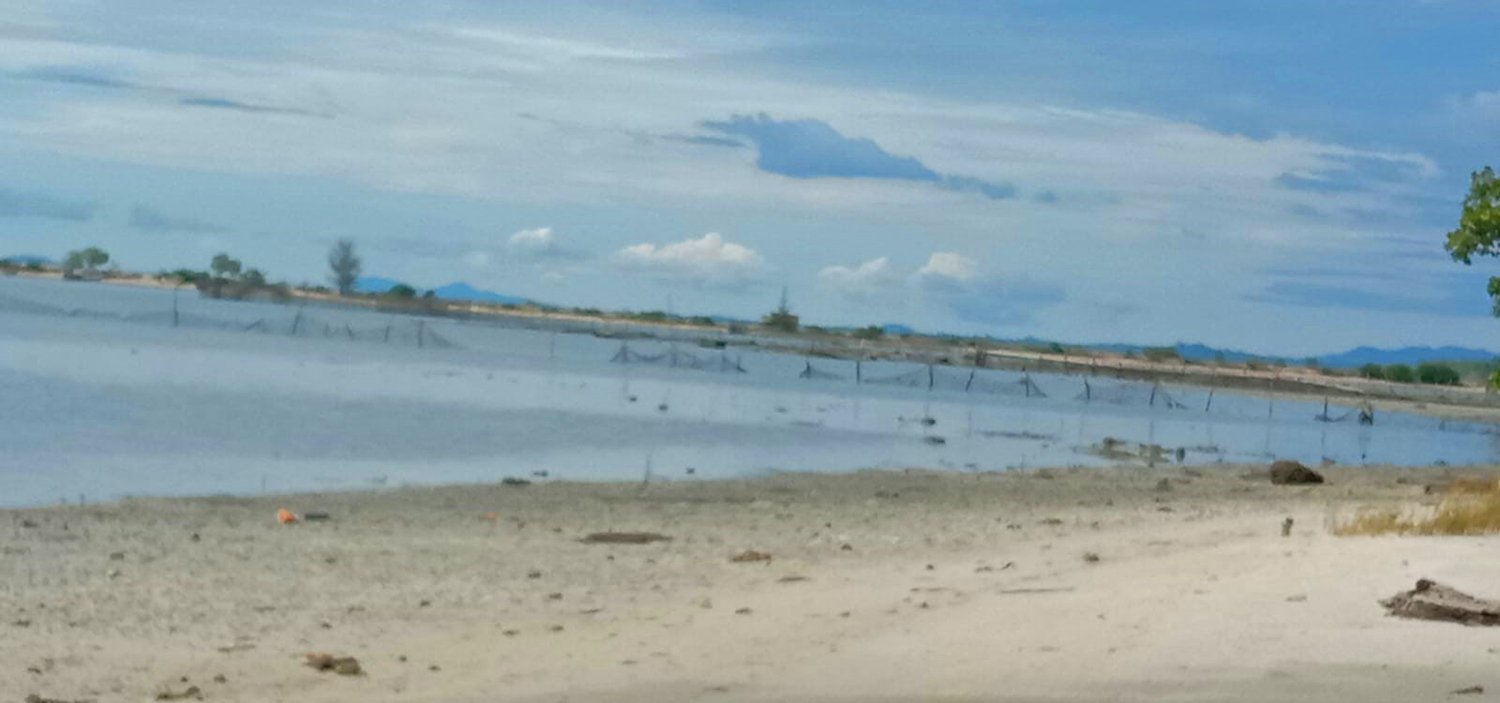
(1003,384)
(1127,393)
(915,378)
(675,358)
(813,373)
(295,323)
(961,380)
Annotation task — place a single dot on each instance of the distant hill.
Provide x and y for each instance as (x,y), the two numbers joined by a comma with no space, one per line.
(1407,355)
(453,291)
(464,291)
(27,259)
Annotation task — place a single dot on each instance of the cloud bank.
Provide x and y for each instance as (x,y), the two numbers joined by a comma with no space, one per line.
(709,260)
(810,149)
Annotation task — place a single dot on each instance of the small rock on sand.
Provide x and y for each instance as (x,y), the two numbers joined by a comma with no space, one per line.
(1292,473)
(343,666)
(624,538)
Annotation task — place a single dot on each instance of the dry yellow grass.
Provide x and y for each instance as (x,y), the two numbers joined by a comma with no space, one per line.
(1469,506)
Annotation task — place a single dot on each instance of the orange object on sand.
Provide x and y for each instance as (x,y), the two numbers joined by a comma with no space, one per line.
(285,517)
(490,517)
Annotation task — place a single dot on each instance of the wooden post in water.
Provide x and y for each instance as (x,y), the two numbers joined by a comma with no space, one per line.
(858,372)
(296,322)
(1088,393)
(1152,402)
(969,383)
(387,337)
(175,291)
(1210,402)
(421,328)
(929,377)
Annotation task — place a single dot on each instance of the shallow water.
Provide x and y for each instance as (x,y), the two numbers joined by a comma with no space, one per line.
(101,396)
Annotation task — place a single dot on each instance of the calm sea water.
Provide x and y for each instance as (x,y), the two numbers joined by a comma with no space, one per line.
(109,391)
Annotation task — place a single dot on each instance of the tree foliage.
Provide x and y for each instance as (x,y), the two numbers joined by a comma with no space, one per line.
(1400,373)
(401,290)
(1372,370)
(225,266)
(1478,232)
(345,266)
(88,259)
(1437,374)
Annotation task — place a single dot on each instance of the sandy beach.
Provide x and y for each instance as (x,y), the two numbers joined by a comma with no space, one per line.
(880,586)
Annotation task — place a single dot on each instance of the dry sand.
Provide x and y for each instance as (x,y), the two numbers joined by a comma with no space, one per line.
(951,588)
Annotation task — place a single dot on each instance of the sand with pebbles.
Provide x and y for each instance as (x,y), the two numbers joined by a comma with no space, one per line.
(896,586)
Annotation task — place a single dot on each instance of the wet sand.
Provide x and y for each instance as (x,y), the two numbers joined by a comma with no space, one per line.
(881,586)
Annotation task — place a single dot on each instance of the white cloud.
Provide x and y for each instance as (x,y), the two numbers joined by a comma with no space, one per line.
(869,278)
(540,243)
(532,240)
(707,260)
(948,267)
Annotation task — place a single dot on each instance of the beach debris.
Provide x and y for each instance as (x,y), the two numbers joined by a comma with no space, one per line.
(1029,591)
(513,481)
(1164,485)
(1286,527)
(624,538)
(186,693)
(117,556)
(743,611)
(533,574)
(286,517)
(29,524)
(1091,557)
(934,440)
(1299,598)
(541,473)
(238,646)
(1469,691)
(220,678)
(1431,600)
(316,517)
(343,666)
(1292,473)
(792,579)
(750,555)
(34,698)
(847,547)
(491,516)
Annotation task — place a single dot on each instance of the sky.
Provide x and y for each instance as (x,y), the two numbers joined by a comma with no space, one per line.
(1275,176)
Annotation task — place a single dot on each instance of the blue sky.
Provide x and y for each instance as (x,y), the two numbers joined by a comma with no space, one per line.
(1274,175)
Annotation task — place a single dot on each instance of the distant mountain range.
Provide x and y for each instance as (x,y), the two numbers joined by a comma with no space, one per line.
(28,259)
(1359,356)
(1202,352)
(1407,355)
(453,291)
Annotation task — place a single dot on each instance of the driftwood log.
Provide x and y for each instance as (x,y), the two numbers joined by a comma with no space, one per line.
(1434,601)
